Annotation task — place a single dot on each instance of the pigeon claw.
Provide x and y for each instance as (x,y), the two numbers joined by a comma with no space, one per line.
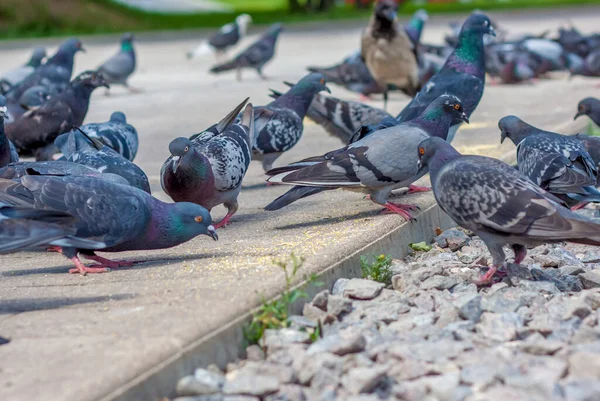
(417,188)
(83,269)
(401,209)
(488,277)
(113,264)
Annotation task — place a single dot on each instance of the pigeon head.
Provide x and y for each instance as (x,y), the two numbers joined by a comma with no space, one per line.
(71,46)
(3,108)
(90,79)
(127,42)
(243,21)
(118,117)
(586,106)
(274,30)
(190,220)
(386,11)
(433,153)
(37,57)
(449,105)
(515,129)
(312,83)
(479,24)
(181,149)
(414,28)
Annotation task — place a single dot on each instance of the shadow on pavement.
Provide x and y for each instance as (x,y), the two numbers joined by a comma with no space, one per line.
(329,220)
(34,304)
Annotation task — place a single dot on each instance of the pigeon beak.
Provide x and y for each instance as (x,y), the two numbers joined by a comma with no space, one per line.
(212,232)
(419,166)
(491,31)
(579,113)
(175,160)
(502,137)
(464,117)
(327,89)
(82,49)
(3,112)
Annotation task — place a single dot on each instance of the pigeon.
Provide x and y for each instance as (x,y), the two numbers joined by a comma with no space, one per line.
(25,228)
(557,163)
(8,153)
(117,217)
(415,25)
(78,147)
(590,107)
(30,99)
(117,69)
(255,56)
(499,204)
(592,145)
(19,74)
(587,67)
(34,132)
(341,118)
(227,36)
(209,169)
(376,164)
(463,73)
(55,74)
(278,125)
(116,133)
(388,51)
(516,70)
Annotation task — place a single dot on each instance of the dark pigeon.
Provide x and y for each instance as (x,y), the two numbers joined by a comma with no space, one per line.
(255,56)
(589,107)
(17,75)
(120,217)
(499,204)
(55,74)
(80,148)
(117,69)
(463,74)
(376,164)
(227,36)
(34,132)
(117,134)
(8,153)
(592,145)
(557,163)
(209,169)
(278,125)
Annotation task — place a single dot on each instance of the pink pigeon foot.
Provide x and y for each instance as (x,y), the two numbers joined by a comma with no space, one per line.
(54,248)
(417,188)
(83,269)
(486,279)
(224,222)
(401,209)
(579,206)
(364,98)
(113,264)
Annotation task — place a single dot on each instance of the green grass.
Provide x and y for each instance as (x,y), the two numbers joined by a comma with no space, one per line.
(257,5)
(378,269)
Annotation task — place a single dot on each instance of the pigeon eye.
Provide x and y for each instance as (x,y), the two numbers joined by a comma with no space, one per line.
(322,81)
(457,107)
(186,149)
(421,151)
(198,219)
(581,108)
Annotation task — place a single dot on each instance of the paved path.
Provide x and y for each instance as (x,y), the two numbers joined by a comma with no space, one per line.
(176,6)
(77,338)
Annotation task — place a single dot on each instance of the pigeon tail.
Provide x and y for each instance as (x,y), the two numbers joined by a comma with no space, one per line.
(227,66)
(291,196)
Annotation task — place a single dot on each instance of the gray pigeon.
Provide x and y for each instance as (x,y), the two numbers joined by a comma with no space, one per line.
(209,169)
(24,228)
(79,148)
(341,118)
(255,56)
(376,164)
(32,98)
(116,217)
(17,75)
(227,36)
(115,133)
(589,107)
(8,153)
(499,204)
(34,132)
(278,125)
(587,67)
(117,69)
(557,163)
(463,74)
(55,74)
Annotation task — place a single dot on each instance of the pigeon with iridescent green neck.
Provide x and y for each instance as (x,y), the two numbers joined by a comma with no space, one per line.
(376,164)
(463,74)
(117,69)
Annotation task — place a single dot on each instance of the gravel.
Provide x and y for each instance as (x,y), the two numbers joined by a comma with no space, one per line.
(433,335)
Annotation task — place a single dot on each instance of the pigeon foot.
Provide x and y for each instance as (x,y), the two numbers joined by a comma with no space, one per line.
(364,98)
(417,188)
(83,269)
(54,248)
(223,223)
(113,264)
(487,278)
(401,209)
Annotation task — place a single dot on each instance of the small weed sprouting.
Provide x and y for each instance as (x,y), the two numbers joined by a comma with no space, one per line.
(378,270)
(274,314)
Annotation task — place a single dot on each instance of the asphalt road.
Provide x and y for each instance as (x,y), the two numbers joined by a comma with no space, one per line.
(77,338)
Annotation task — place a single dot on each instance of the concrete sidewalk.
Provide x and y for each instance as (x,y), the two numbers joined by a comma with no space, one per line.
(80,338)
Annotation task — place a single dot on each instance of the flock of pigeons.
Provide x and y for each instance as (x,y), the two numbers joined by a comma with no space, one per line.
(84,193)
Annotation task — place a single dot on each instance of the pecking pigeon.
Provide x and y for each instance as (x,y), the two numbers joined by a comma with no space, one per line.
(389,52)
(117,134)
(590,107)
(227,36)
(209,169)
(255,56)
(341,118)
(8,153)
(117,69)
(557,163)
(24,228)
(116,217)
(55,74)
(463,73)
(376,164)
(77,147)
(499,204)
(587,67)
(17,75)
(34,132)
(278,125)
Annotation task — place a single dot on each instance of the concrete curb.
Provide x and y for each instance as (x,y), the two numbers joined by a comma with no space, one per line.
(225,344)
